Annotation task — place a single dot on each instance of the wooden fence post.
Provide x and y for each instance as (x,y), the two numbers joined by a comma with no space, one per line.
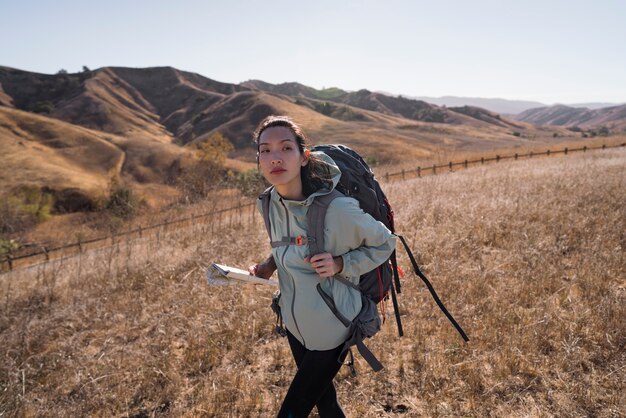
(465,163)
(516,155)
(565,150)
(419,171)
(482,160)
(530,155)
(603,146)
(497,158)
(403,174)
(450,165)
(548,153)
(434,168)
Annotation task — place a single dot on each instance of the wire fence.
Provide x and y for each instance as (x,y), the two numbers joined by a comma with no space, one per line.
(37,255)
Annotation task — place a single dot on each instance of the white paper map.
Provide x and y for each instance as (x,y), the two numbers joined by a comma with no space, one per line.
(220,275)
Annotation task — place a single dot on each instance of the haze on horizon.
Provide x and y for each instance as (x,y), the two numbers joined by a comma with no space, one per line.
(552,52)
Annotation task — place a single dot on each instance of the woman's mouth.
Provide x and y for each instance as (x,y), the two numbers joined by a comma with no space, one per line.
(277,171)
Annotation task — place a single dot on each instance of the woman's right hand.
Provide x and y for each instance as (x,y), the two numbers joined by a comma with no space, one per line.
(264,269)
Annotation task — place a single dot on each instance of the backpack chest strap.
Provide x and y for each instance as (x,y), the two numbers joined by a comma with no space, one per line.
(299,240)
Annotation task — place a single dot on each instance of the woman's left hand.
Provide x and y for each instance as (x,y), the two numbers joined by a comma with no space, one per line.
(325,264)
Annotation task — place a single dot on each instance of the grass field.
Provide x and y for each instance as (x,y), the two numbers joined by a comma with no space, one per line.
(529,256)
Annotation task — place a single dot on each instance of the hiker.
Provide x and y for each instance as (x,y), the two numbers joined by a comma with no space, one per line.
(355,243)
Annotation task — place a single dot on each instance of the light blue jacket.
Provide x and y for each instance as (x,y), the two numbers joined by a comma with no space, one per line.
(359,239)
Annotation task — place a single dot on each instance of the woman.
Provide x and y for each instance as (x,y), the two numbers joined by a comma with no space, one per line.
(354,243)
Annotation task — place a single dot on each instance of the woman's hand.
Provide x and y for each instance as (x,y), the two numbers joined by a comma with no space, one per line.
(325,264)
(264,269)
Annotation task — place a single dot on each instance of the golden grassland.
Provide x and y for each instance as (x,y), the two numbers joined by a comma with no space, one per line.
(63,229)
(529,256)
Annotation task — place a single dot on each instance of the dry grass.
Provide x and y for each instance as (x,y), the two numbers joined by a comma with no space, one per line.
(528,256)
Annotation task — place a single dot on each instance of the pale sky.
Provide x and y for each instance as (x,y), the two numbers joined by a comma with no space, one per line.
(565,51)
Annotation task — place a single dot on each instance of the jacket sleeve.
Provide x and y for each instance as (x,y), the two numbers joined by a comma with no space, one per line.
(363,242)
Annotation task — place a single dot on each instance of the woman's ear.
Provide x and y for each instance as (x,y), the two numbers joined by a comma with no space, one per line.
(305,160)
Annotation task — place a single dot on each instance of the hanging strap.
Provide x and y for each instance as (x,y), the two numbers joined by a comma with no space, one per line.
(432,290)
(396,285)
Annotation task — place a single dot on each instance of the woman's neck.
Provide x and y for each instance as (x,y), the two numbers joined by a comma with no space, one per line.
(290,191)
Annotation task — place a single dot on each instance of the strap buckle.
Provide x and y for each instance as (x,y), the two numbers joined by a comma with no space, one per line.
(300,240)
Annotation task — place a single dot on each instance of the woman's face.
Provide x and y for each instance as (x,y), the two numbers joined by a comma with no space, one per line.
(280,161)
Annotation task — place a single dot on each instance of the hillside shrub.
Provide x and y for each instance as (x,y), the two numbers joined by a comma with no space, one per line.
(7,246)
(208,171)
(123,202)
(250,183)
(43,107)
(24,208)
(371,160)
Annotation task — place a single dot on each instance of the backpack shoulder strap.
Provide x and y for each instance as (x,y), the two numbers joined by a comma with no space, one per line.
(265,209)
(315,220)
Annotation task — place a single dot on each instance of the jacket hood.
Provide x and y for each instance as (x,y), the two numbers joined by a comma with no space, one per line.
(335,176)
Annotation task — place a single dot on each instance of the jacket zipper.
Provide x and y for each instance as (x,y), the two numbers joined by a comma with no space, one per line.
(293,299)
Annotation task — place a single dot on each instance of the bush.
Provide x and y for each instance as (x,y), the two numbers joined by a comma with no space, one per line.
(371,160)
(43,107)
(24,208)
(7,246)
(208,172)
(250,183)
(123,202)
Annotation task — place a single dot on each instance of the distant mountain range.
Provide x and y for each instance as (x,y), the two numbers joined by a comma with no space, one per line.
(78,131)
(503,107)
(611,118)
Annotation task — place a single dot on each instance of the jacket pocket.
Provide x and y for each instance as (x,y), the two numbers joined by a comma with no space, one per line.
(330,302)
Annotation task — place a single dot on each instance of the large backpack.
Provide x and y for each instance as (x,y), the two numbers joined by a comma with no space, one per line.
(358,181)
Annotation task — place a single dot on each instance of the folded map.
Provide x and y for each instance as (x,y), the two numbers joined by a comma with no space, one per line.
(220,275)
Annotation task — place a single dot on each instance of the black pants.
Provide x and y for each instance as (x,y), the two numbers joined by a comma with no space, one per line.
(313,383)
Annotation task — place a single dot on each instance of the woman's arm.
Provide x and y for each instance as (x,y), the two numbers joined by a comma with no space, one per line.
(366,242)
(264,269)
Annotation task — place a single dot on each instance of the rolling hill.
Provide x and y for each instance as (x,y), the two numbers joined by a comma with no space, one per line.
(82,131)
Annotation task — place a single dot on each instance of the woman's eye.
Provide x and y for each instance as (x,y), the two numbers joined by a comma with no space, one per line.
(264,150)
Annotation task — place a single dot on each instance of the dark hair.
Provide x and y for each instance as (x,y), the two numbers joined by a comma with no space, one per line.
(316,174)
